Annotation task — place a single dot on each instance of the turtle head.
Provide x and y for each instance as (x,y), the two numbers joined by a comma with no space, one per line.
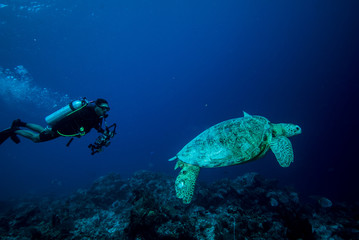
(286,129)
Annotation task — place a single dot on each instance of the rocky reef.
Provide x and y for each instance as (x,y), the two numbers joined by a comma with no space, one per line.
(145,207)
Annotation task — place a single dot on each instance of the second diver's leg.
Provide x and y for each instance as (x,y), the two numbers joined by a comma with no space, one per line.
(29,135)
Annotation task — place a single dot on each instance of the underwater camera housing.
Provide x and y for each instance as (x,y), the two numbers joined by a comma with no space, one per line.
(103,140)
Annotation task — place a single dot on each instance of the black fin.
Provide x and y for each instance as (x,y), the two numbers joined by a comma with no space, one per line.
(18,123)
(15,138)
(9,133)
(5,134)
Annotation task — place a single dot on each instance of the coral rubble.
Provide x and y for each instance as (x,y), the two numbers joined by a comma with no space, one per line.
(145,207)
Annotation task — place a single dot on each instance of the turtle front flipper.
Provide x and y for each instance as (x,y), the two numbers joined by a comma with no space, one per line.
(186,180)
(282,149)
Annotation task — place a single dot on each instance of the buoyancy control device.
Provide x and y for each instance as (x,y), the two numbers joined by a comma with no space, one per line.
(74,106)
(67,110)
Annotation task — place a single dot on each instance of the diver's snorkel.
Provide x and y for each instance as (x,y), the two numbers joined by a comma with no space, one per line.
(103,140)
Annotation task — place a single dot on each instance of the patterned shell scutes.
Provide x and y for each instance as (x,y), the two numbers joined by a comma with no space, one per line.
(231,142)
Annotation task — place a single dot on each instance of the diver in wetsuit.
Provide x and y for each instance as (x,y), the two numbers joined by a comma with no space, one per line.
(77,121)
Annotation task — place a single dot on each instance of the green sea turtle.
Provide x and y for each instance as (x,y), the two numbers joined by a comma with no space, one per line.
(232,142)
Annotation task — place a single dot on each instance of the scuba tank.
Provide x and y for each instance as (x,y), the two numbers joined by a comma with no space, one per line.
(72,107)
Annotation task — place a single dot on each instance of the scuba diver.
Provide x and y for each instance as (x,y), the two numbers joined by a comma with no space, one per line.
(74,120)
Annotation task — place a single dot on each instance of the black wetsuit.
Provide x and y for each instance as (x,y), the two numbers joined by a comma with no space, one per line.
(76,124)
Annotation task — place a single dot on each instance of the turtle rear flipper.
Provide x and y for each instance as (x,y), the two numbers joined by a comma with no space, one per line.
(186,181)
(282,149)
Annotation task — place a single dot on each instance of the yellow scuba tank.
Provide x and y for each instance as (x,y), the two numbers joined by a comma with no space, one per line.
(65,111)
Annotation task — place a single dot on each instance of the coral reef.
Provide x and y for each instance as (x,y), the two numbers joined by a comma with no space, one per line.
(145,207)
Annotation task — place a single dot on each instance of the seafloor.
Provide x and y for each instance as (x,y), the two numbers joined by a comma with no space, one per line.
(145,207)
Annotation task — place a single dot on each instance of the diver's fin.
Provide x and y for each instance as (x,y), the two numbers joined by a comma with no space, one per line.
(15,138)
(5,134)
(9,133)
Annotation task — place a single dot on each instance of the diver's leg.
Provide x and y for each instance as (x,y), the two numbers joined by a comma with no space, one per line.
(29,135)
(35,127)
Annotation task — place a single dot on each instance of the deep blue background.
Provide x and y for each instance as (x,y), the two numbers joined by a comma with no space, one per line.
(171,69)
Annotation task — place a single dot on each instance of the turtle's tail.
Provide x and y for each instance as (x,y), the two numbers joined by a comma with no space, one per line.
(171,159)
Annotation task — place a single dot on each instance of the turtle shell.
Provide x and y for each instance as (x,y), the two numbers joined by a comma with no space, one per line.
(231,142)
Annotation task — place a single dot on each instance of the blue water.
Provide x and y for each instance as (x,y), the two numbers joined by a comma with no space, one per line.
(170,69)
